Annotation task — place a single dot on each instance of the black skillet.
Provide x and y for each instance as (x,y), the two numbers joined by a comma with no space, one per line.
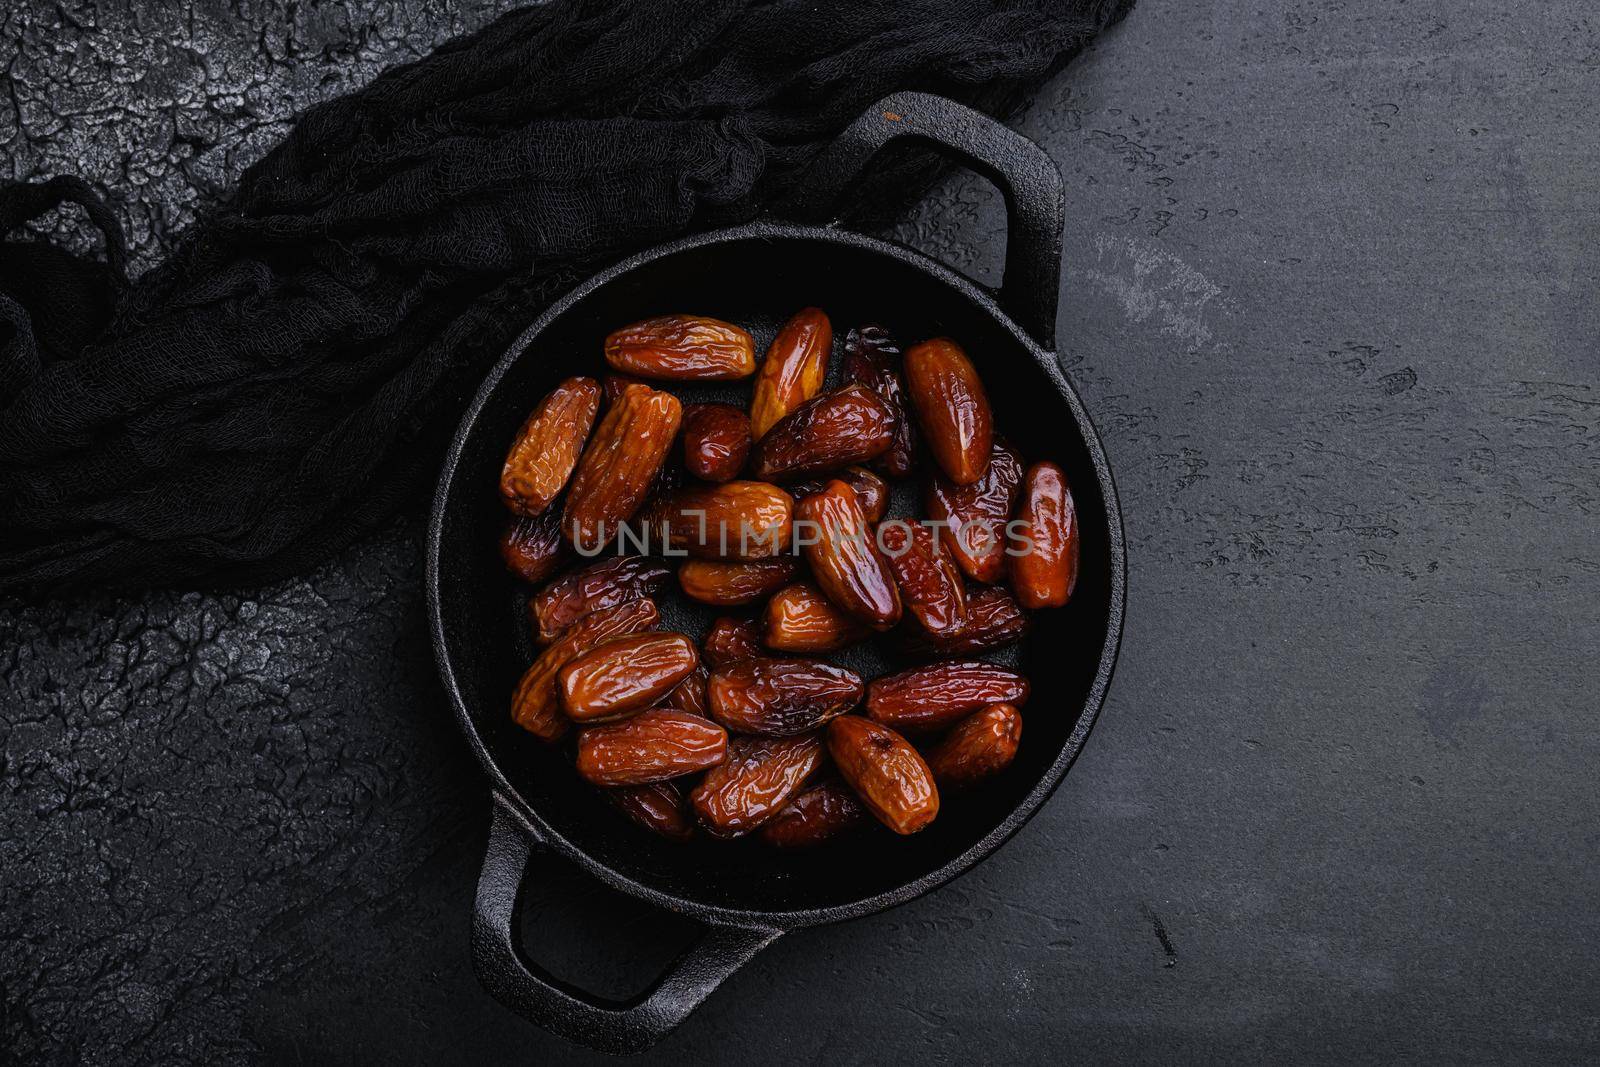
(757,275)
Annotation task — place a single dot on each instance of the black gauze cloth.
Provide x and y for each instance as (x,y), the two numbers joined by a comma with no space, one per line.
(288,378)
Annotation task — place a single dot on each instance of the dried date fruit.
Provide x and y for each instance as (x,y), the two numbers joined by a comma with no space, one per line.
(889,776)
(1043,558)
(625,675)
(760,776)
(682,348)
(820,813)
(871,491)
(836,429)
(839,546)
(731,640)
(931,697)
(781,697)
(547,447)
(973,517)
(659,807)
(977,747)
(598,585)
(620,465)
(993,620)
(690,695)
(799,618)
(791,374)
(652,746)
(729,584)
(734,520)
(930,585)
(952,408)
(534,548)
(872,359)
(614,384)
(716,441)
(536,704)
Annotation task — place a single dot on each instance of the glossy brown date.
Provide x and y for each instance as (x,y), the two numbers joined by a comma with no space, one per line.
(818,814)
(547,447)
(952,408)
(682,348)
(837,429)
(932,697)
(716,441)
(799,618)
(993,620)
(620,465)
(839,546)
(659,807)
(889,776)
(791,374)
(533,549)
(1043,560)
(690,695)
(730,584)
(781,697)
(652,746)
(625,675)
(977,747)
(871,491)
(872,359)
(611,581)
(732,521)
(930,584)
(731,640)
(973,517)
(760,776)
(536,704)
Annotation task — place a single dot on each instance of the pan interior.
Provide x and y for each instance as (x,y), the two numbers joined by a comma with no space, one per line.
(757,281)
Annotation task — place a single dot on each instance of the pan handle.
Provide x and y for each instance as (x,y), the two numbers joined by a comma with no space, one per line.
(529,990)
(1035,196)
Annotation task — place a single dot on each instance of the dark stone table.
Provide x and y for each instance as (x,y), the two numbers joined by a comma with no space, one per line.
(1330,295)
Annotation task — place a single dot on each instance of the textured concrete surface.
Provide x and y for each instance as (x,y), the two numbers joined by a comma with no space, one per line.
(1330,297)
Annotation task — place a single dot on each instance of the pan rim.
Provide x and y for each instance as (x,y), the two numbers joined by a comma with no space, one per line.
(544,835)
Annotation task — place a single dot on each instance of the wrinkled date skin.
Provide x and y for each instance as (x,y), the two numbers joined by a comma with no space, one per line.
(716,441)
(799,618)
(994,620)
(614,384)
(625,675)
(843,555)
(978,747)
(682,348)
(781,697)
(760,776)
(952,408)
(1044,569)
(652,746)
(690,695)
(839,428)
(536,704)
(932,697)
(731,641)
(534,548)
(659,807)
(818,814)
(976,515)
(889,776)
(872,359)
(796,363)
(930,584)
(599,585)
(547,447)
(872,492)
(723,584)
(620,465)
(734,520)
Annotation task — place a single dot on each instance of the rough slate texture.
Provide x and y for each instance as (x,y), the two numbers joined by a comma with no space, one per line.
(1331,297)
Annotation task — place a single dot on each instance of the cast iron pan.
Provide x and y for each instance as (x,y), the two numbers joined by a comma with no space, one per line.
(757,275)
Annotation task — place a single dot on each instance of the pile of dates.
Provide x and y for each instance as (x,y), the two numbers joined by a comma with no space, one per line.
(778,515)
